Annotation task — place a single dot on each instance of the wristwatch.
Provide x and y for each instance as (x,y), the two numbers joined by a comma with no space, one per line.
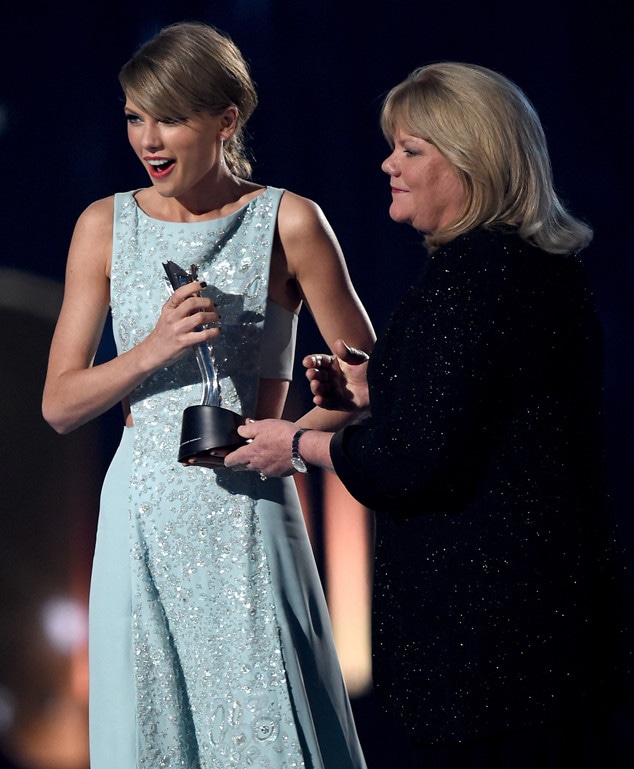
(296,458)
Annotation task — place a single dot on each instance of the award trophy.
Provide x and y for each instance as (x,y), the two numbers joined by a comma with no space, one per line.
(206,427)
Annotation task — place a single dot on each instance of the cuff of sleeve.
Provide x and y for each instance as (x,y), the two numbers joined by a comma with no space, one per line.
(351,475)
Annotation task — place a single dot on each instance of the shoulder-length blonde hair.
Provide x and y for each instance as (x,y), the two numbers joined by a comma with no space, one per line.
(191,67)
(490,133)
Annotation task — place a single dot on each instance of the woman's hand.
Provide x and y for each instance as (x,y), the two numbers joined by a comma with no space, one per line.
(186,319)
(339,381)
(268,450)
(269,446)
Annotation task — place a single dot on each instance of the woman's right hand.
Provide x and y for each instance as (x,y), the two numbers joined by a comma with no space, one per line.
(186,320)
(339,381)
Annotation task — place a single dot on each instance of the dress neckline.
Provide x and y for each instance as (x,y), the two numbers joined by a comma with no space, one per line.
(233,214)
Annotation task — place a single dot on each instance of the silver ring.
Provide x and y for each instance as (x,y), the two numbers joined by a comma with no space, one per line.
(263,477)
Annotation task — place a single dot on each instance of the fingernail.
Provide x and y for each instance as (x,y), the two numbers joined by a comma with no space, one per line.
(203,284)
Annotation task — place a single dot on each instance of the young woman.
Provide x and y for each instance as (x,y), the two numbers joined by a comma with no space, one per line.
(210,643)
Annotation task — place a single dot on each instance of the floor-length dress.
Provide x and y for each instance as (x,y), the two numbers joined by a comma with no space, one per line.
(210,641)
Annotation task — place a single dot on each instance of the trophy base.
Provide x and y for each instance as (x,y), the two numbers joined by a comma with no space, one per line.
(207,428)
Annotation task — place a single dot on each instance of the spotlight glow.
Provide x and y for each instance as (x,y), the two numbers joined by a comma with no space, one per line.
(65,623)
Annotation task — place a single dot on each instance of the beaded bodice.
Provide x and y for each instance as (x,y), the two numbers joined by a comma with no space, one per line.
(233,256)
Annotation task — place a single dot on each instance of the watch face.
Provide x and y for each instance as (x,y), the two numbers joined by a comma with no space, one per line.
(299,464)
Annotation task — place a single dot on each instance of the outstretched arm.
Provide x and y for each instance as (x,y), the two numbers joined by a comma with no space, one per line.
(269,448)
(338,382)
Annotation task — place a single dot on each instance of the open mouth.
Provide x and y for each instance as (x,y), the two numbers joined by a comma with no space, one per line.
(160,167)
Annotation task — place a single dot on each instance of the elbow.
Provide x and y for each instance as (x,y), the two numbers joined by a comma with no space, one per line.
(56,418)
(59,425)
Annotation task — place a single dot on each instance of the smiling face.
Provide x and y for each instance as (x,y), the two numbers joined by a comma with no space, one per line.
(180,155)
(426,190)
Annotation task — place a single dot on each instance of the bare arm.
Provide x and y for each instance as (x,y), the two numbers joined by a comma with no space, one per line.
(76,391)
(315,262)
(337,381)
(308,266)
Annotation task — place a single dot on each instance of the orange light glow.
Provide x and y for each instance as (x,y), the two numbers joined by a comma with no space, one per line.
(347,545)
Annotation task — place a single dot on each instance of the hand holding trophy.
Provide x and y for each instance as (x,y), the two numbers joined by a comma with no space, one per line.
(208,426)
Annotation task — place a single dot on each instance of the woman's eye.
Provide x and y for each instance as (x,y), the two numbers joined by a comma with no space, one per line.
(132,118)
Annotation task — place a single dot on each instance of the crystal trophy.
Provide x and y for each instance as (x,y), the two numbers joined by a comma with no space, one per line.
(206,427)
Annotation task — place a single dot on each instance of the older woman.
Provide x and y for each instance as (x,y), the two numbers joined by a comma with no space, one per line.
(481,456)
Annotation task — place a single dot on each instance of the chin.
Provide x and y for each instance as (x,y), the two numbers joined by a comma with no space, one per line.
(399,217)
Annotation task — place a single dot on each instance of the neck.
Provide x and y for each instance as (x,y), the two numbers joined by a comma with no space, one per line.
(211,199)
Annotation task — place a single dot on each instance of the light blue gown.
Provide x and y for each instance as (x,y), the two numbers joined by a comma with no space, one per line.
(210,641)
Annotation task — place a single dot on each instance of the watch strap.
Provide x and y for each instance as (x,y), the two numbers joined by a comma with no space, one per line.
(296,458)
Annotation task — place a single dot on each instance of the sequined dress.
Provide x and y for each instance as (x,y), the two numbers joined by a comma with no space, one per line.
(210,641)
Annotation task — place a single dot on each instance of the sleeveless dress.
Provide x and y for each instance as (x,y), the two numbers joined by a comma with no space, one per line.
(210,639)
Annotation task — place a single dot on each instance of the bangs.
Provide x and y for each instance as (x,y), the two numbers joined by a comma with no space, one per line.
(404,110)
(161,90)
(150,90)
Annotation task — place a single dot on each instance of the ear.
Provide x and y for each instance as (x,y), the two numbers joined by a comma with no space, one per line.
(228,122)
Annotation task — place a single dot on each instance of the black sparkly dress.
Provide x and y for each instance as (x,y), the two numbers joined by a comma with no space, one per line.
(483,463)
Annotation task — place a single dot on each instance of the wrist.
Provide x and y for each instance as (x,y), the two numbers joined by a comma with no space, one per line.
(300,465)
(148,358)
(314,449)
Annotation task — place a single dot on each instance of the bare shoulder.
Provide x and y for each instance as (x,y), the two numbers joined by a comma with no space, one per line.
(304,232)
(97,215)
(296,213)
(91,244)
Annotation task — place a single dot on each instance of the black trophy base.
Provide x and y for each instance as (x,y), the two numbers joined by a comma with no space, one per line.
(208,428)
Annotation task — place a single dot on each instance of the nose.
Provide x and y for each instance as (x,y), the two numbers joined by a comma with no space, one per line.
(388,166)
(151,139)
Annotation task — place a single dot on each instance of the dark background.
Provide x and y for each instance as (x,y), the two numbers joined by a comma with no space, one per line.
(321,68)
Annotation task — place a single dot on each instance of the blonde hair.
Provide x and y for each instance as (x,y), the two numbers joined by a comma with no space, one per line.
(491,134)
(191,67)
